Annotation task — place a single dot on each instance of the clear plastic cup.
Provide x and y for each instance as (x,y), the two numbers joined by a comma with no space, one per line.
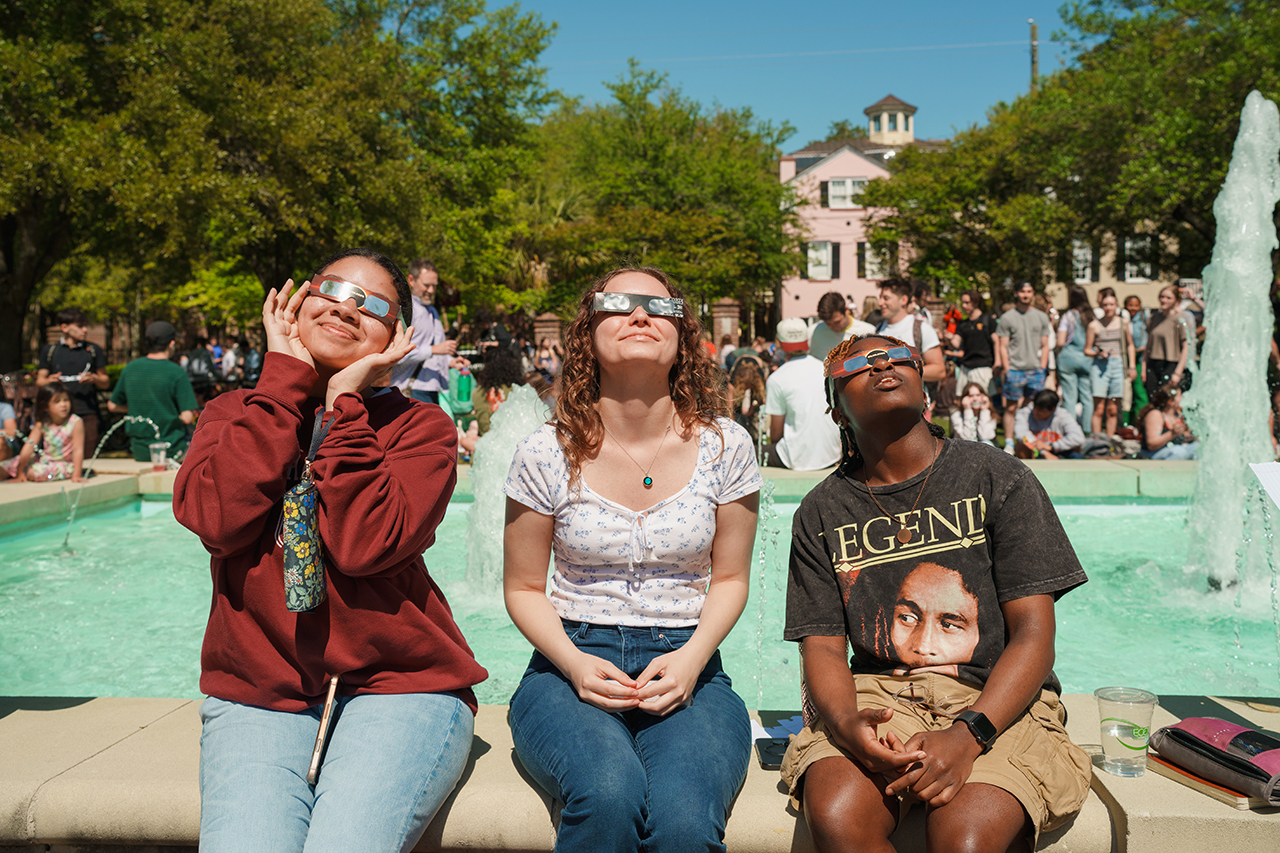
(1125,716)
(158,451)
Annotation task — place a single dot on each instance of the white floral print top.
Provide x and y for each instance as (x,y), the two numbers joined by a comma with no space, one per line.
(618,566)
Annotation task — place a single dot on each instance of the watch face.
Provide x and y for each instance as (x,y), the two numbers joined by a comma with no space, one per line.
(983,729)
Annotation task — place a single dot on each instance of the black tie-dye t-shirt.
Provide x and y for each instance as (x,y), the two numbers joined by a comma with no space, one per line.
(984,532)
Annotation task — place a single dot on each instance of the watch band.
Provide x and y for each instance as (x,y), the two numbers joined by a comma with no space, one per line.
(984,732)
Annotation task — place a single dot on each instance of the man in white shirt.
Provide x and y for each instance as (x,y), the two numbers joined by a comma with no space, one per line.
(900,322)
(838,325)
(803,435)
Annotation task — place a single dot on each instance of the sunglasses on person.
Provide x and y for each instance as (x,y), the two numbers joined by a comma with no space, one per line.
(338,290)
(949,706)
(625,303)
(854,365)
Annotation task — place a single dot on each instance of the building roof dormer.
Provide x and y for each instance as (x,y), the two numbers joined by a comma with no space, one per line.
(891,121)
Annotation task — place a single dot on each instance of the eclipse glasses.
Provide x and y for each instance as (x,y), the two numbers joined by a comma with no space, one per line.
(863,361)
(340,291)
(625,303)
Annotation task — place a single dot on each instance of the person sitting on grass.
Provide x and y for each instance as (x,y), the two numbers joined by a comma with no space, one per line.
(1045,430)
(940,561)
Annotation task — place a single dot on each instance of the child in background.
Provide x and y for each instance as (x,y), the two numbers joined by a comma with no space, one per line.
(972,420)
(60,436)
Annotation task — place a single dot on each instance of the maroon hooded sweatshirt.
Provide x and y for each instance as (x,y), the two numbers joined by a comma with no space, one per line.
(384,475)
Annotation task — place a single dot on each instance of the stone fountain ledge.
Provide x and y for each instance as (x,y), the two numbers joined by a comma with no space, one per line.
(86,774)
(120,479)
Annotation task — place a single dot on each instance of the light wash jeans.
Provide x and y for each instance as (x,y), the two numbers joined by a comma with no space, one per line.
(633,781)
(1177,451)
(1075,385)
(392,760)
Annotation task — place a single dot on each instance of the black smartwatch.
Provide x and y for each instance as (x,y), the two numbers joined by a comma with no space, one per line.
(983,731)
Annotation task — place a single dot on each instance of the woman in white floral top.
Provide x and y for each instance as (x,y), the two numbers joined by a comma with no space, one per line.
(647,494)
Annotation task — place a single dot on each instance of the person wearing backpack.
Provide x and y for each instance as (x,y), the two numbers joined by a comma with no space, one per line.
(899,321)
(1073,365)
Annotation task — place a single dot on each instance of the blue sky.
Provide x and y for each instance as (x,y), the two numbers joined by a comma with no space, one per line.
(813,63)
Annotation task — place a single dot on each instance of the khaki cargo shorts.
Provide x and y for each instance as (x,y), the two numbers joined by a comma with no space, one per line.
(1033,759)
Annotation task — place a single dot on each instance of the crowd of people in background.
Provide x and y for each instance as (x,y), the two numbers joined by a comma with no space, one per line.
(1090,381)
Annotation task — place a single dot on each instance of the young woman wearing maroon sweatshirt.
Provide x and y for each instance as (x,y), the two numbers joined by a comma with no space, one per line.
(383,474)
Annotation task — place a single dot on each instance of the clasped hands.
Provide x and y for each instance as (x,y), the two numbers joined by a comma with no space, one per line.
(933,766)
(280,319)
(665,685)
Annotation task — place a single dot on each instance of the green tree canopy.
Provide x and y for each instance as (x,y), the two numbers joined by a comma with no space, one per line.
(843,129)
(1134,135)
(179,140)
(655,178)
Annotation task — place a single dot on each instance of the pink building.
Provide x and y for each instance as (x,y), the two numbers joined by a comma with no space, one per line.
(828,177)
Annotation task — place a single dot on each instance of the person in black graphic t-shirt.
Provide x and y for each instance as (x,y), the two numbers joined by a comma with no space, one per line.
(79,364)
(939,562)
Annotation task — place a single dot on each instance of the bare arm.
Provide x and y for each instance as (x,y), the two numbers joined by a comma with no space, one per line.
(667,682)
(777,424)
(1044,352)
(188,417)
(527,550)
(835,697)
(1182,351)
(1153,430)
(935,369)
(1015,682)
(1002,352)
(117,408)
(44,377)
(77,451)
(1090,334)
(1129,348)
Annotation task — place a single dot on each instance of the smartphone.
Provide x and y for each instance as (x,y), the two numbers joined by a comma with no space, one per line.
(770,751)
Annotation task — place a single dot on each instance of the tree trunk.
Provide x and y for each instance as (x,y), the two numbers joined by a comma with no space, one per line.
(32,240)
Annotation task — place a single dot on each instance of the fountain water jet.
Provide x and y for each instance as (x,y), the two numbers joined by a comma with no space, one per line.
(1227,406)
(518,416)
(71,517)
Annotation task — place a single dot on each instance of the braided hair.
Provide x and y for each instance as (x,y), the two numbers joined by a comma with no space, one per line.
(850,456)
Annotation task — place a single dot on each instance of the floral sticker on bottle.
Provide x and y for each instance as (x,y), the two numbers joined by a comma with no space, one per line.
(304,580)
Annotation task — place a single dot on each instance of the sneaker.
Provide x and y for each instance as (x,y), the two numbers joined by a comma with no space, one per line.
(1008,447)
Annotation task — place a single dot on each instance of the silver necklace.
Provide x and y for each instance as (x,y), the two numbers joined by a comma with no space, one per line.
(648,481)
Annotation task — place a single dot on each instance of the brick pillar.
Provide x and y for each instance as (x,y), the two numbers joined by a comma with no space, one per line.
(724,320)
(546,326)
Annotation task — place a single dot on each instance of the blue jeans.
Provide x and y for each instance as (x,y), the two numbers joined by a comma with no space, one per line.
(392,760)
(1173,451)
(631,781)
(1076,385)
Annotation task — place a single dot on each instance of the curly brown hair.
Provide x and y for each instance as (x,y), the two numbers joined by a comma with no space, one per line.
(850,455)
(694,380)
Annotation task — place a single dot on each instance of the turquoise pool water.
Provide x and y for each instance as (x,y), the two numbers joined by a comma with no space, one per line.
(123,613)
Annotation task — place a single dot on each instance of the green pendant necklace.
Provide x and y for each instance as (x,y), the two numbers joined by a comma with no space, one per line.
(648,481)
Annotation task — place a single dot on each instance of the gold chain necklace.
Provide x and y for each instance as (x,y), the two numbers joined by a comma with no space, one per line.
(903,535)
(648,481)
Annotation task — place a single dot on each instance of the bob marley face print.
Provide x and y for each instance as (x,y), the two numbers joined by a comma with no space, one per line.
(934,626)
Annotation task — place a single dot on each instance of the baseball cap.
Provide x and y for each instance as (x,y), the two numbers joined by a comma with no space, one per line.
(793,335)
(161,332)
